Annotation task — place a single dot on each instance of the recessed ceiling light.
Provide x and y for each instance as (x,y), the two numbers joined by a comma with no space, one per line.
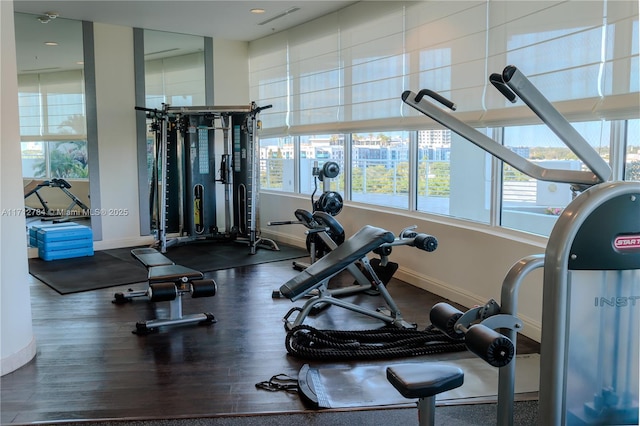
(50,43)
(257,10)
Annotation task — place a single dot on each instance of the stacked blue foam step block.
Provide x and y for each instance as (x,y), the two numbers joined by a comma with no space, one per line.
(33,230)
(64,242)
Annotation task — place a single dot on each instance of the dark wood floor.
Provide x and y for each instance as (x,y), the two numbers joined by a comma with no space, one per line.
(90,366)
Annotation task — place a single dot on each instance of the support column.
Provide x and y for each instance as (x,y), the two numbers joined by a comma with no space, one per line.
(17,343)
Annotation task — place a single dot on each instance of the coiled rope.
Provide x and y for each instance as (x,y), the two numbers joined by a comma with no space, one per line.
(389,342)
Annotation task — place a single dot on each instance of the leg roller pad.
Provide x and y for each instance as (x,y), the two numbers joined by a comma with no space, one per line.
(496,349)
(162,292)
(444,316)
(203,288)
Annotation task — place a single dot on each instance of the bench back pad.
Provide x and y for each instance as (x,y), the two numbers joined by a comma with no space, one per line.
(353,249)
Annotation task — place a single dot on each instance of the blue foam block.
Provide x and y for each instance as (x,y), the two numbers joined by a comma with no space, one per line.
(65,254)
(33,229)
(48,235)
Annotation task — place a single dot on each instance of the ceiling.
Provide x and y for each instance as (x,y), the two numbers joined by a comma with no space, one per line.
(230,20)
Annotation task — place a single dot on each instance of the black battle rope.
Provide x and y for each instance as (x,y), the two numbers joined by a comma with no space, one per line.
(332,345)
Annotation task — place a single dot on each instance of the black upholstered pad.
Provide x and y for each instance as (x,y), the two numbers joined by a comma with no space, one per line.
(421,380)
(150,257)
(173,273)
(355,248)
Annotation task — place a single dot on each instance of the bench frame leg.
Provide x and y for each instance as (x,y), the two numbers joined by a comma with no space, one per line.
(324,295)
(175,318)
(427,411)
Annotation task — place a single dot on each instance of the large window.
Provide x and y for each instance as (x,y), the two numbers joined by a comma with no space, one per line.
(453,177)
(380,168)
(345,74)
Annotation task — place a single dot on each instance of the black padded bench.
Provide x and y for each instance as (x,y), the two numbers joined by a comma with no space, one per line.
(169,282)
(317,275)
(424,381)
(353,249)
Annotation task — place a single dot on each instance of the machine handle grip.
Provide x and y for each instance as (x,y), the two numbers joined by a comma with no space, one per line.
(258,109)
(444,101)
(498,82)
(317,230)
(283,222)
(155,110)
(425,242)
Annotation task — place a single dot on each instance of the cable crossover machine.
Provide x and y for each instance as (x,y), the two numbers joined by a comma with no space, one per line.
(589,357)
(189,197)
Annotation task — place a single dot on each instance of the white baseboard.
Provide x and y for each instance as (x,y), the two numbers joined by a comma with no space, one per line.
(296,241)
(124,242)
(532,329)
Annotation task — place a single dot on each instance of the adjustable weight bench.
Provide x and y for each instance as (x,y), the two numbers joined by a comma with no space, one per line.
(169,282)
(316,276)
(324,234)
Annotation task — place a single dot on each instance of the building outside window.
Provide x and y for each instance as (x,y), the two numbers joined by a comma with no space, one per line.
(380,168)
(315,151)
(632,163)
(277,164)
(532,205)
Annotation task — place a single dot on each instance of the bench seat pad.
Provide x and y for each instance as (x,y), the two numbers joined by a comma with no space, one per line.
(150,257)
(173,273)
(422,380)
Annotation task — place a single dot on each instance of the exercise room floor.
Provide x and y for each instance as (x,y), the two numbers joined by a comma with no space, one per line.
(90,366)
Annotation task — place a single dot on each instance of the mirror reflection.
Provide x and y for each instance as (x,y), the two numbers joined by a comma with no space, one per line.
(51,99)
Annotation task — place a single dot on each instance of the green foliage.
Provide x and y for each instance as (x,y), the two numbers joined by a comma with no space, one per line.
(632,171)
(66,160)
(272,178)
(439,179)
(512,175)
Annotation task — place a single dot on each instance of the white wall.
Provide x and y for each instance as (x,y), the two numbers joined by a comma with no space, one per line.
(115,97)
(230,72)
(17,345)
(468,267)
